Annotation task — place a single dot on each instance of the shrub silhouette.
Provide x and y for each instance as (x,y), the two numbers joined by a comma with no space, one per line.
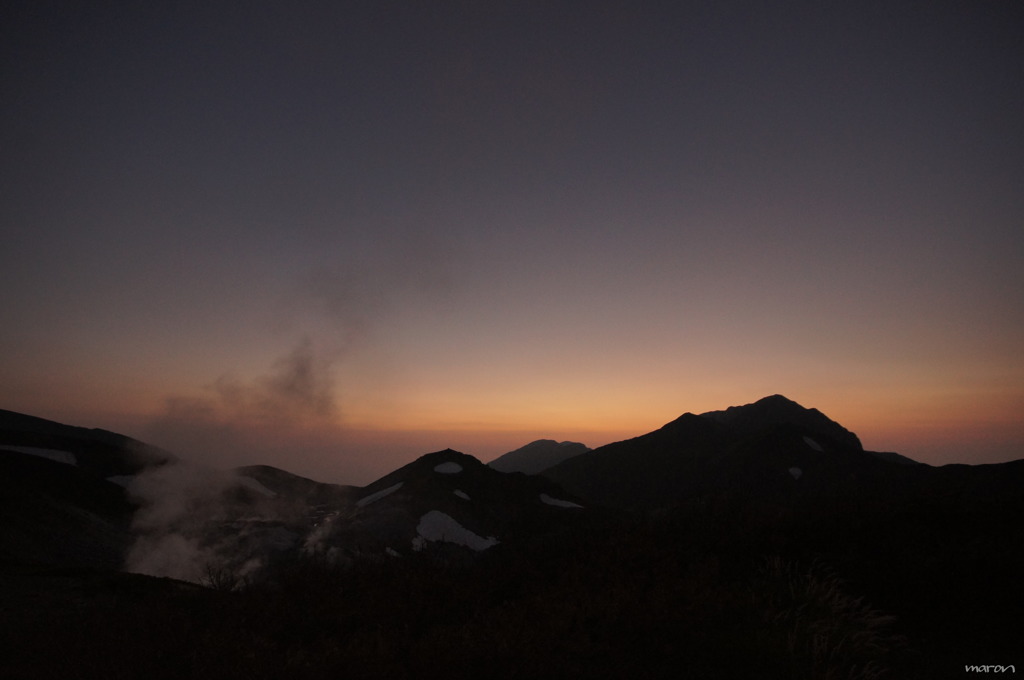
(814,629)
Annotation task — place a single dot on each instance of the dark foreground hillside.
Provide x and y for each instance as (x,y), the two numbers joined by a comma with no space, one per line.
(713,590)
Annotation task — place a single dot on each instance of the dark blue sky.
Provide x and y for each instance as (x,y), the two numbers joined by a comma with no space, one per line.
(466,225)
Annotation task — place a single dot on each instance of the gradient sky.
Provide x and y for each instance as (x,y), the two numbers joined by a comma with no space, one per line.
(333,236)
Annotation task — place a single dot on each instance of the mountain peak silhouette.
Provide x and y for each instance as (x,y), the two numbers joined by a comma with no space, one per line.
(779,410)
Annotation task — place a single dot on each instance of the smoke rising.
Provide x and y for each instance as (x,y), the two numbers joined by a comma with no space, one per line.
(240,422)
(291,416)
(176,504)
(299,388)
(198,524)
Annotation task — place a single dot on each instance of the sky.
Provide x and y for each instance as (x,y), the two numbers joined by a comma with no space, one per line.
(334,236)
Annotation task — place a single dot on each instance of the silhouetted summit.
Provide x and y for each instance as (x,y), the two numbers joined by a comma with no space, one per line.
(443,503)
(772,447)
(778,410)
(537,456)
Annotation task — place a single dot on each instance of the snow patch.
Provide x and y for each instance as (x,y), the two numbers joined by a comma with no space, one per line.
(813,444)
(253,484)
(56,455)
(544,498)
(437,526)
(376,496)
(391,551)
(448,468)
(796,472)
(462,494)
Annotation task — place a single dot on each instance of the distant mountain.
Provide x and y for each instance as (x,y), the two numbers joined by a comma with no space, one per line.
(440,500)
(893,457)
(648,471)
(537,456)
(772,447)
(778,410)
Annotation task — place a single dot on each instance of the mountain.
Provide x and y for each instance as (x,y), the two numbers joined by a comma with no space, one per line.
(103,453)
(893,457)
(74,497)
(537,456)
(648,471)
(200,525)
(232,527)
(773,447)
(778,410)
(62,496)
(440,500)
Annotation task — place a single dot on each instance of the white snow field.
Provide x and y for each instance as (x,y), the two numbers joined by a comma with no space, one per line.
(544,498)
(55,455)
(366,500)
(437,526)
(256,486)
(813,444)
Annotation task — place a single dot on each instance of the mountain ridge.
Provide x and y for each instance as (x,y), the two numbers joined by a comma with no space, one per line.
(537,456)
(762,445)
(777,409)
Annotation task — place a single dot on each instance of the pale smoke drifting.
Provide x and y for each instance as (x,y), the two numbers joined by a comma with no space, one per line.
(198,524)
(298,388)
(239,422)
(290,416)
(176,501)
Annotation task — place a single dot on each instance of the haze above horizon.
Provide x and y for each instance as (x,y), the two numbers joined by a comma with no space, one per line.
(334,236)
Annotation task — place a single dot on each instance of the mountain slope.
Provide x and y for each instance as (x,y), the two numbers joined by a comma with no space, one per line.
(537,456)
(773,447)
(58,514)
(778,410)
(440,500)
(101,452)
(74,497)
(648,471)
(62,496)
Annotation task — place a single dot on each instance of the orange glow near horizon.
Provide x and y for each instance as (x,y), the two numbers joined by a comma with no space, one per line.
(513,260)
(357,446)
(361,443)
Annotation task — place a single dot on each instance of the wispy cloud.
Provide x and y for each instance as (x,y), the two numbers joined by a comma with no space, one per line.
(293,411)
(237,421)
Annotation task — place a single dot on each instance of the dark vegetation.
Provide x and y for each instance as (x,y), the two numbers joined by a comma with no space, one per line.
(718,588)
